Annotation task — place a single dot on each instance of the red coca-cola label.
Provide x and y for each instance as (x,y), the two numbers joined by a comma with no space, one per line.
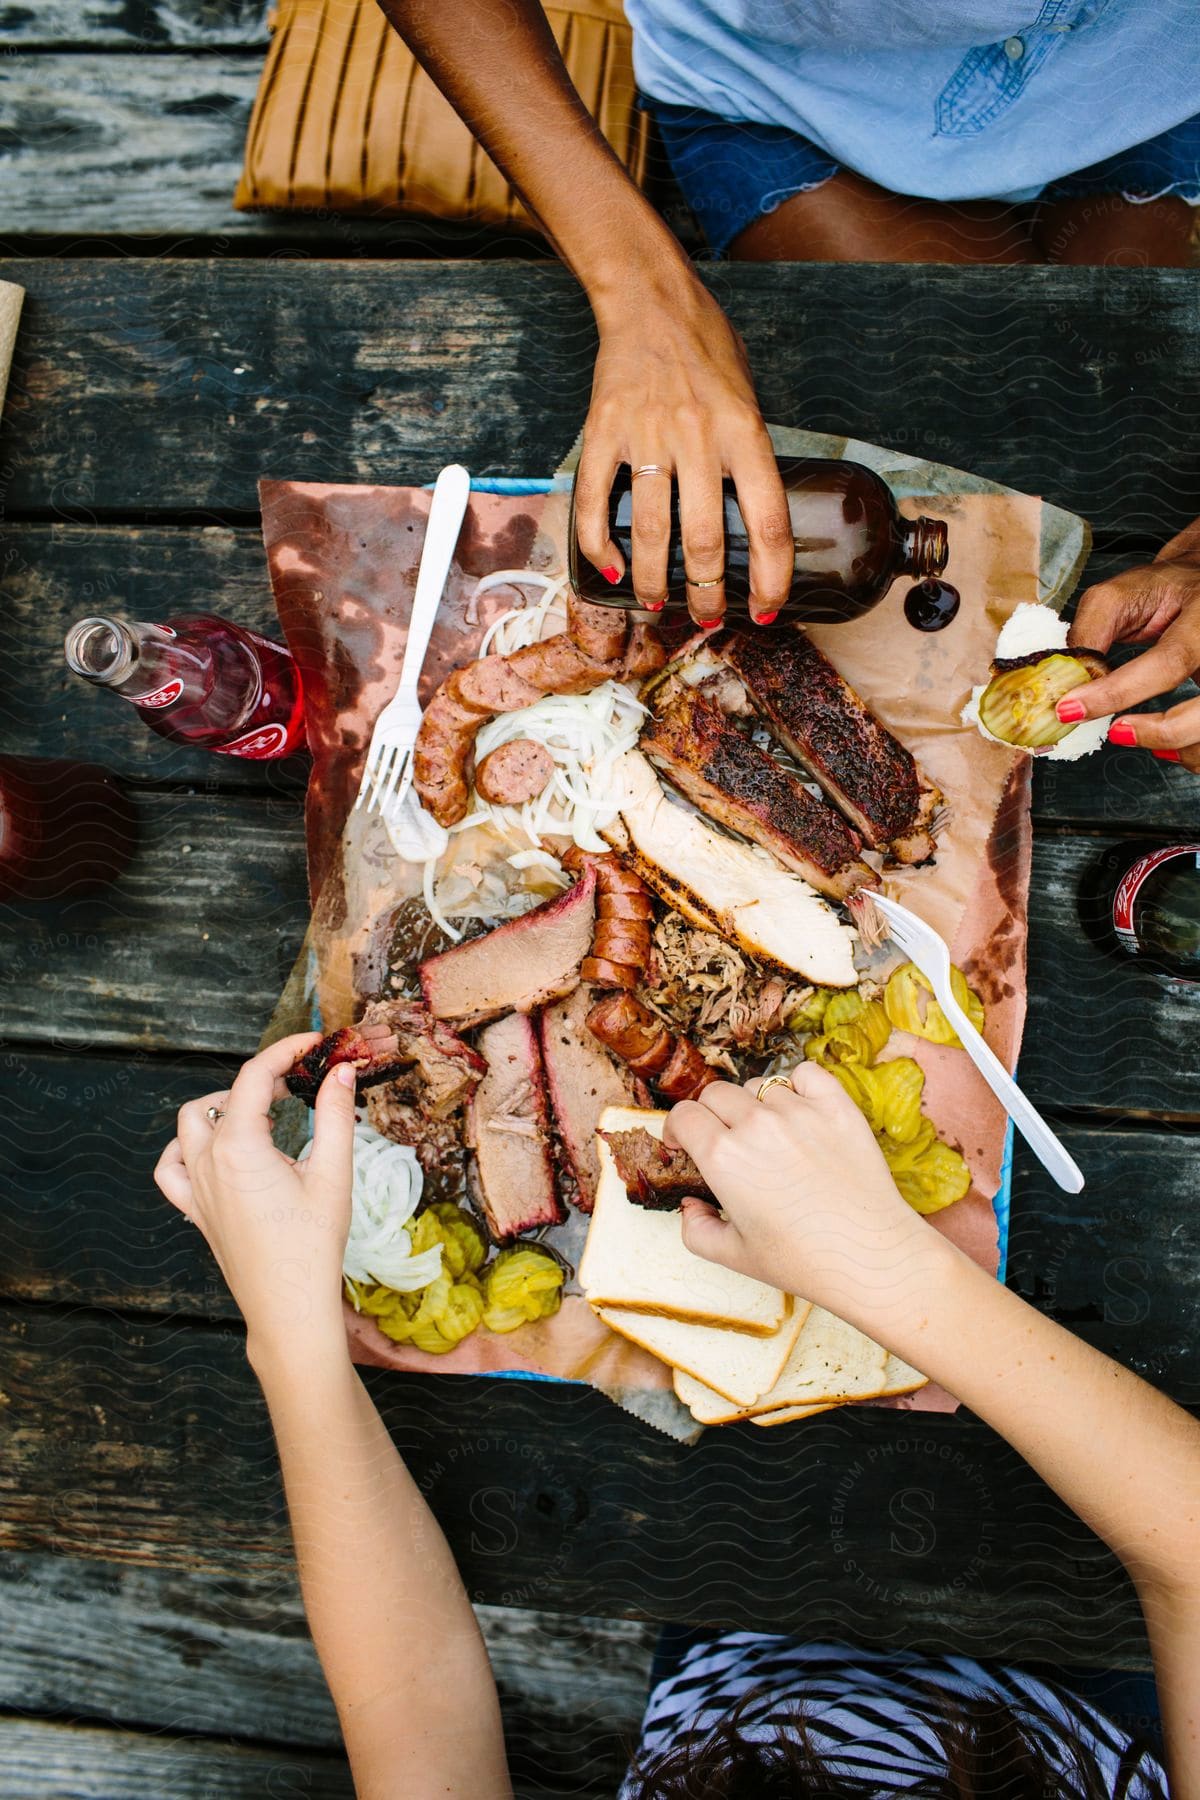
(163,696)
(264,741)
(1130,886)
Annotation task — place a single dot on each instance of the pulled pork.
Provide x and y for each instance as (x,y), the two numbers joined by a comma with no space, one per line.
(716,994)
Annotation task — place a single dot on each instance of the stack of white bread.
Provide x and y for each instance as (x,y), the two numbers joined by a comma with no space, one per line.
(739,1349)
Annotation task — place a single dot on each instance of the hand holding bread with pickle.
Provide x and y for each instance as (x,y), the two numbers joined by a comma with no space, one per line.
(1157,604)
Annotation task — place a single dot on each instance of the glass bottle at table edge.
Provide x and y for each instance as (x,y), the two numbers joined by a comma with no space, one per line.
(1142,899)
(197,680)
(851,544)
(66,828)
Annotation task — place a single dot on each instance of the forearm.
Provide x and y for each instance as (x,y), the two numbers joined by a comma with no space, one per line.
(534,125)
(1122,1455)
(390,1618)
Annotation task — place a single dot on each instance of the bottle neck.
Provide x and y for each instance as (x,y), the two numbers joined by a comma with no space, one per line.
(926,546)
(148,664)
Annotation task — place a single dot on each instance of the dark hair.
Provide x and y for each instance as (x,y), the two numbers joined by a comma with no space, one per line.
(992,1752)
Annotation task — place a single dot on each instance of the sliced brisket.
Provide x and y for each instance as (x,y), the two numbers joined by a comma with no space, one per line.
(508,1128)
(654,1176)
(582,1079)
(517,967)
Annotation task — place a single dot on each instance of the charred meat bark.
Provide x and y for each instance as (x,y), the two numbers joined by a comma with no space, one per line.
(732,780)
(582,1078)
(508,1128)
(654,1176)
(866,772)
(631,1031)
(346,1045)
(406,1032)
(517,967)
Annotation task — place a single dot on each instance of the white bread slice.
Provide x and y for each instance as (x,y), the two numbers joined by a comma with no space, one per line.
(831,1361)
(733,1363)
(784,1414)
(636,1259)
(899,1377)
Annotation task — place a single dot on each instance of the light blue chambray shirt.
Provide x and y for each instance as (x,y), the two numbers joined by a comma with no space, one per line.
(951,99)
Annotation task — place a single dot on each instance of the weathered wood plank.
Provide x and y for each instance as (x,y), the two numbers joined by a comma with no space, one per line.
(189,949)
(1101,1030)
(174,124)
(46,1760)
(142,25)
(170,1651)
(52,574)
(161,386)
(148,1444)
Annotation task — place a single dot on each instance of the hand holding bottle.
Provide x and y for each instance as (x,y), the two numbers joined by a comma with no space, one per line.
(1158,604)
(672,393)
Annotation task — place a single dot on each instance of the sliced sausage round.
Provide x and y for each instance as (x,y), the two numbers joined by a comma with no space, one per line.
(514,772)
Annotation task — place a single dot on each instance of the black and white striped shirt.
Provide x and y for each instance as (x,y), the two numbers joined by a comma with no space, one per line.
(867,1711)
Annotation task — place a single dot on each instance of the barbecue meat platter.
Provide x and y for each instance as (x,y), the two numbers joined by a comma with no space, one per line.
(643,870)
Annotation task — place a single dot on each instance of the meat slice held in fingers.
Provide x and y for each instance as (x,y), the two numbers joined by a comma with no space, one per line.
(866,771)
(707,758)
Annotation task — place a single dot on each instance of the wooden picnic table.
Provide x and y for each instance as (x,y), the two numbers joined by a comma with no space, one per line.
(146,399)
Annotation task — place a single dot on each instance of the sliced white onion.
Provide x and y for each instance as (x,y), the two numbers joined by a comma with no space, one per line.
(386,1192)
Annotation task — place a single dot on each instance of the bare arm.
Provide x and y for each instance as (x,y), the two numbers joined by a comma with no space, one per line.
(391,1621)
(809,1204)
(671,383)
(393,1627)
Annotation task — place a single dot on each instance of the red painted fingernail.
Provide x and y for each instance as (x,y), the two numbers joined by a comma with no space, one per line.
(767,618)
(654,605)
(1119,732)
(1070,711)
(1167,755)
(710,624)
(610,575)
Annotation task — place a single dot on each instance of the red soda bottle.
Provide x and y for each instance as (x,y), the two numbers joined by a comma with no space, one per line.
(198,680)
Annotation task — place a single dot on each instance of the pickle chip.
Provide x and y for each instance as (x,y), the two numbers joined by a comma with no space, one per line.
(1017,706)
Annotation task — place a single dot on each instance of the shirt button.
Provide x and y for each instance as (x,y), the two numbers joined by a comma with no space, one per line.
(1014,48)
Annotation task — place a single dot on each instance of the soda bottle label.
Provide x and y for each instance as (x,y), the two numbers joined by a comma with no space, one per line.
(263,742)
(1130,886)
(163,696)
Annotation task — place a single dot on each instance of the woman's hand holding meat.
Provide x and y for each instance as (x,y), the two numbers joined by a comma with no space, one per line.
(278,1229)
(807,1199)
(672,389)
(1159,605)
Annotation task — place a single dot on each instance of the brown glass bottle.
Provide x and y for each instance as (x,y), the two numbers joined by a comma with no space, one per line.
(851,544)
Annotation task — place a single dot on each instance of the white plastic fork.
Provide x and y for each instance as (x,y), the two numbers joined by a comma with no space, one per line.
(387,775)
(922,945)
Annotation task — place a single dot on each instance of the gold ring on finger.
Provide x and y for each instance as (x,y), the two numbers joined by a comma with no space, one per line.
(649,469)
(214,1114)
(715,582)
(773,1081)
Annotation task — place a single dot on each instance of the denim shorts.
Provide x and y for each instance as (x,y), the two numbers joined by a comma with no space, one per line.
(732,173)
